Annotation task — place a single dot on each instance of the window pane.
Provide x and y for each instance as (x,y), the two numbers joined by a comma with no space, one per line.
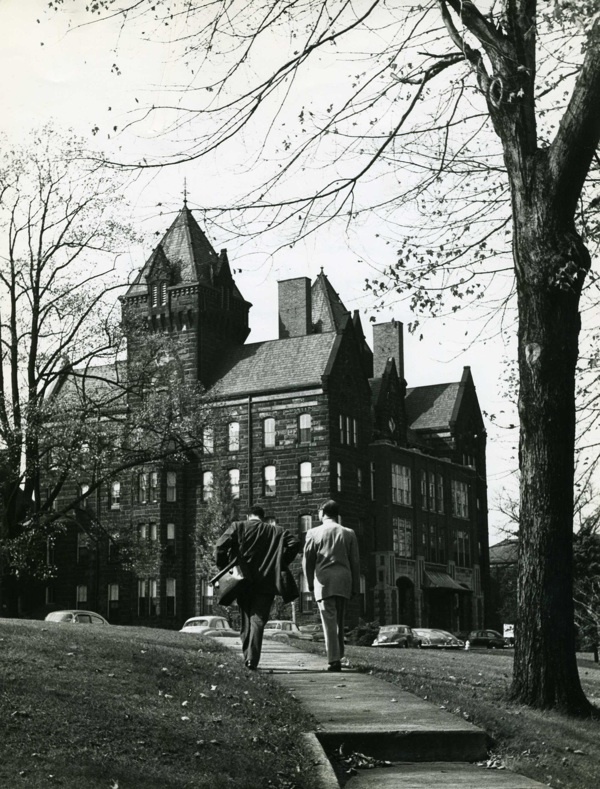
(234,482)
(171,486)
(234,436)
(208,440)
(305,428)
(269,432)
(207,485)
(269,480)
(305,477)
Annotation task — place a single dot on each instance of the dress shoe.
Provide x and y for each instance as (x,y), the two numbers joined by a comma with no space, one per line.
(335,666)
(250,665)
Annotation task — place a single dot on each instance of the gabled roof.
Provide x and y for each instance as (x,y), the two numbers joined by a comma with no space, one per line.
(431,407)
(189,254)
(328,311)
(273,365)
(505,552)
(102,386)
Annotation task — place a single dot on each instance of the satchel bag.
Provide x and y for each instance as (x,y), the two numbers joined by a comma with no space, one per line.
(229,583)
(233,579)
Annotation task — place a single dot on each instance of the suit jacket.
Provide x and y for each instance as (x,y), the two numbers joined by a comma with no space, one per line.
(266,550)
(331,562)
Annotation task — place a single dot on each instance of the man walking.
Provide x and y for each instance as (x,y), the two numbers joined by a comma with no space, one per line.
(264,550)
(332,569)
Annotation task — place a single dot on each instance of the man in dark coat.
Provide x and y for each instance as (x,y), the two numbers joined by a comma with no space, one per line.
(265,550)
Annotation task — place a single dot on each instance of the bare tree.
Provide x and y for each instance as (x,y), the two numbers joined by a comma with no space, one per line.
(73,415)
(482,116)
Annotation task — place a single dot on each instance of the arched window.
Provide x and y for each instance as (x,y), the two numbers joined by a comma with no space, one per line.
(207,485)
(269,480)
(234,482)
(269,432)
(305,428)
(306,477)
(233,436)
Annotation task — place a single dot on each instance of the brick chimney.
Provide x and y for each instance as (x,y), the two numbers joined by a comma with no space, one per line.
(295,307)
(388,343)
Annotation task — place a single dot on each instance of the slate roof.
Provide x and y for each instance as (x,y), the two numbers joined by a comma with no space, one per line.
(431,407)
(504,552)
(105,385)
(189,253)
(328,311)
(273,365)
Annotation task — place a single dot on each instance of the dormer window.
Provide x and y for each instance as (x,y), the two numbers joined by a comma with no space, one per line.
(158,294)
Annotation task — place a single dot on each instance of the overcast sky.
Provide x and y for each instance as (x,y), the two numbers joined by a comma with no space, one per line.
(51,71)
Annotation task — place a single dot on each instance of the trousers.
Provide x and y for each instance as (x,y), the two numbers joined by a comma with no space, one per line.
(333,610)
(255,608)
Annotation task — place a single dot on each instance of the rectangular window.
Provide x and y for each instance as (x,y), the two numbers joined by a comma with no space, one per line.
(154,294)
(207,485)
(154,598)
(306,477)
(462,548)
(359,479)
(234,482)
(233,429)
(460,499)
(142,487)
(372,480)
(348,430)
(269,432)
(81,595)
(269,480)
(338,477)
(153,530)
(402,537)
(170,587)
(113,600)
(171,549)
(142,597)
(342,424)
(115,495)
(83,546)
(163,292)
(423,489)
(143,531)
(171,486)
(432,491)
(305,428)
(439,497)
(153,486)
(355,432)
(401,485)
(208,440)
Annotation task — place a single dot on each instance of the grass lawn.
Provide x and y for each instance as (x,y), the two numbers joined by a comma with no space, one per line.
(550,748)
(126,708)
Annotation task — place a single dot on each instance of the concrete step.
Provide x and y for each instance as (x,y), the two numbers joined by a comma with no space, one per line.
(449,775)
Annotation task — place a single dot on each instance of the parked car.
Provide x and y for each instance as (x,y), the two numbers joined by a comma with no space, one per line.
(432,638)
(208,626)
(395,636)
(316,631)
(485,638)
(76,617)
(284,629)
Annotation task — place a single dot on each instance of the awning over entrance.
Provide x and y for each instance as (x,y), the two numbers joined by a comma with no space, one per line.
(435,579)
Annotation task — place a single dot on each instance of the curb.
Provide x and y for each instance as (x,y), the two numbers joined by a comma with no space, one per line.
(323,775)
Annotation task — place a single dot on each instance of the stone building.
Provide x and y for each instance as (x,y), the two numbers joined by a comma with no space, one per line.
(311,415)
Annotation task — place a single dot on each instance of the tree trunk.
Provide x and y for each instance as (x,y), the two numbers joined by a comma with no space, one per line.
(551,262)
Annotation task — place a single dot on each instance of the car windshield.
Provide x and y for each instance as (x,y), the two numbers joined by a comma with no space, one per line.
(197,623)
(59,616)
(394,629)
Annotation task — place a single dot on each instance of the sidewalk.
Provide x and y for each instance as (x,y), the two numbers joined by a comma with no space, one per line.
(369,716)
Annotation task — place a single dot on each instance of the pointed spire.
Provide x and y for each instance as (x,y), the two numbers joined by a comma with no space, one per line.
(185,192)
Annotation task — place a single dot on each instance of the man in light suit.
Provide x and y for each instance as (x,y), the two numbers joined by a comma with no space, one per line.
(332,570)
